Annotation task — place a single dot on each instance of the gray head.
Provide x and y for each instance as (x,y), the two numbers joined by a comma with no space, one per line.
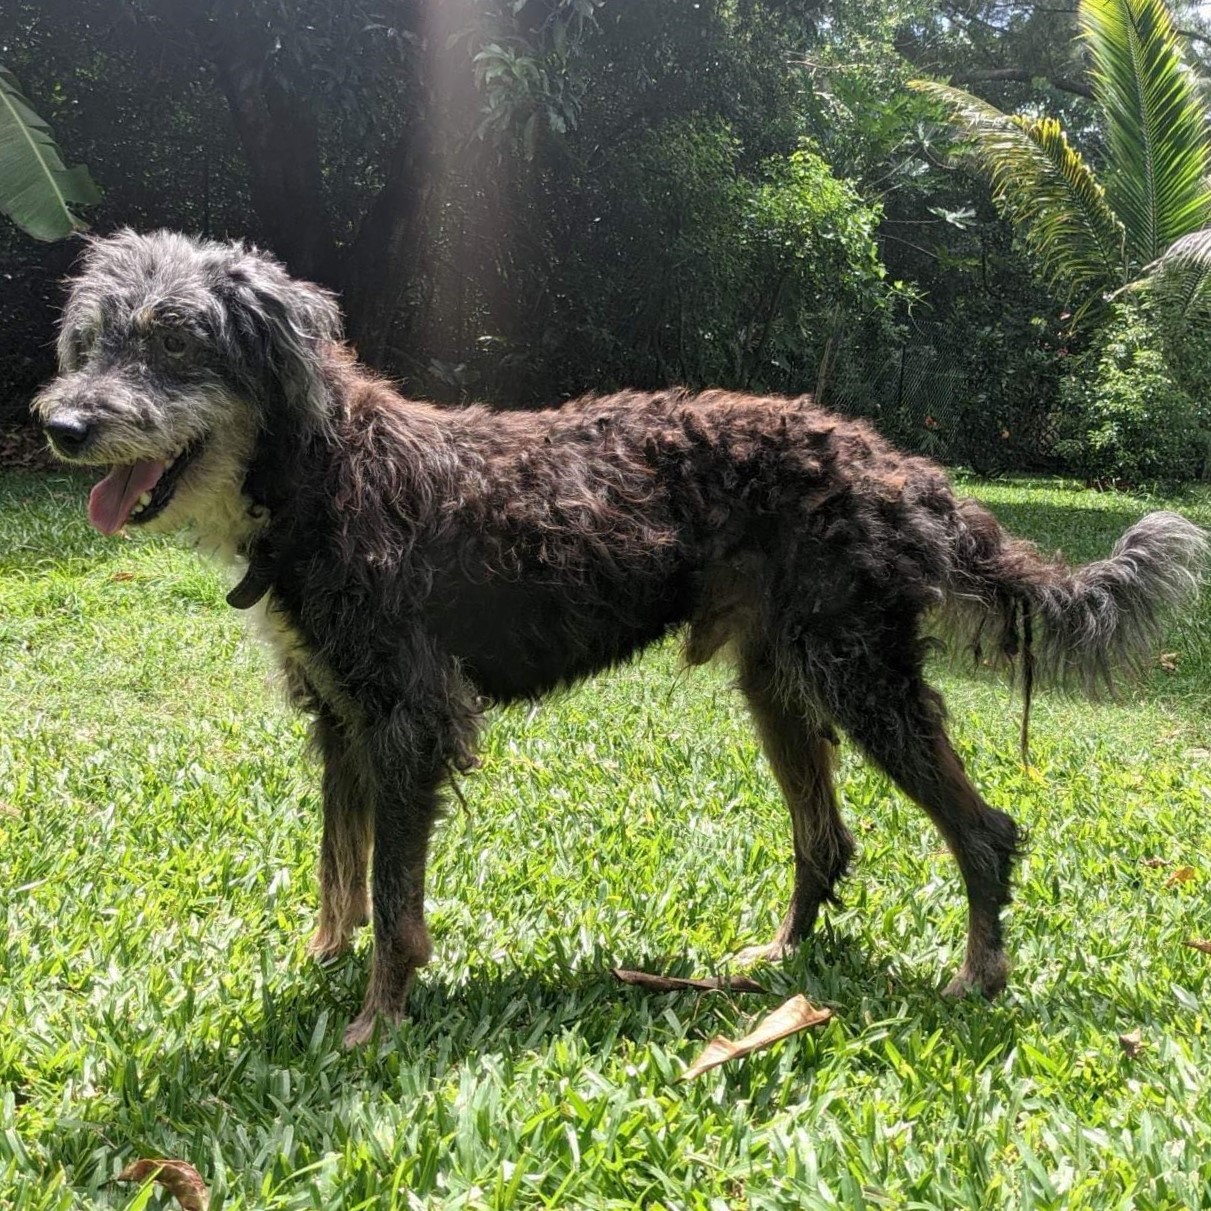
(175,355)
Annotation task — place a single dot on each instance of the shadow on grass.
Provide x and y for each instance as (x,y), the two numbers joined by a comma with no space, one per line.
(510,1013)
(491,1020)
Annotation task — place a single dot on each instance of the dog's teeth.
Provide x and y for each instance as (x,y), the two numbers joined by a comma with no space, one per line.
(136,509)
(169,463)
(145,498)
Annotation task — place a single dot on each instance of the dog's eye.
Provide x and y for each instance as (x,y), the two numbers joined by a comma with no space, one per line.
(173,343)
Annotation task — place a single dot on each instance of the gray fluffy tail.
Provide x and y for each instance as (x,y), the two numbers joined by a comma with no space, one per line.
(1077,628)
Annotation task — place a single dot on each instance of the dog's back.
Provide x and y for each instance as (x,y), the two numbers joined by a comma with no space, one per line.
(540,547)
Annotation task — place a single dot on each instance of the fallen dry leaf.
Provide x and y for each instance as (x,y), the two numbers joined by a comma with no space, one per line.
(797,1014)
(1199,944)
(123,576)
(179,1178)
(1132,1044)
(657,983)
(1183,874)
(1155,863)
(1168,661)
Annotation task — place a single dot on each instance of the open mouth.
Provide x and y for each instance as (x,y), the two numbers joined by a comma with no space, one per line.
(133,493)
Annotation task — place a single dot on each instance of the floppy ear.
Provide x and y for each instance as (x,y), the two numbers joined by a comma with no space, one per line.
(278,329)
(282,327)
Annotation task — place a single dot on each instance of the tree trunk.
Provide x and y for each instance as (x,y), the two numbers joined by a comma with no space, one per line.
(280,141)
(388,254)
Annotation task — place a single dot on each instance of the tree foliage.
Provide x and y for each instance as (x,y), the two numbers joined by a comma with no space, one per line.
(524,199)
(1098,233)
(467,174)
(1127,419)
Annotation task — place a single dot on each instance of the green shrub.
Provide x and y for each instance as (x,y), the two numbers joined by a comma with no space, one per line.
(1126,417)
(694,263)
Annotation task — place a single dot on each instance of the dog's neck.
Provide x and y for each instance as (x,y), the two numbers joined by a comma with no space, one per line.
(273,474)
(226,527)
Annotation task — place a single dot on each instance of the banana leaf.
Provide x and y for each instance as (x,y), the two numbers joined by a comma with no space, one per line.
(37,190)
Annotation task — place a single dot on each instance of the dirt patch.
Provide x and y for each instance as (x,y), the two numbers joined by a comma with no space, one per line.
(23,448)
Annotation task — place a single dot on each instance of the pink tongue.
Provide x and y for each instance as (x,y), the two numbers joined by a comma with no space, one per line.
(110,502)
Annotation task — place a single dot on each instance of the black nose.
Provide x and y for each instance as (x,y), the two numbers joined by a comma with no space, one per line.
(68,434)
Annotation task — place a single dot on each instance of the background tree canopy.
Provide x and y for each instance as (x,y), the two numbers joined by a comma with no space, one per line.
(523,200)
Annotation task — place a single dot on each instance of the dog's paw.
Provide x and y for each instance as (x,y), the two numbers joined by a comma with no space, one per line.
(770,952)
(960,987)
(361,1030)
(987,980)
(326,945)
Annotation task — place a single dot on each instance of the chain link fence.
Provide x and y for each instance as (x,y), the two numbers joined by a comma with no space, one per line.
(941,400)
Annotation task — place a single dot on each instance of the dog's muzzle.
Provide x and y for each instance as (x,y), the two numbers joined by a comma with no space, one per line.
(134,493)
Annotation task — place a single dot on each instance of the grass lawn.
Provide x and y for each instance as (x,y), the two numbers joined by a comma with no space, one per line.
(159,826)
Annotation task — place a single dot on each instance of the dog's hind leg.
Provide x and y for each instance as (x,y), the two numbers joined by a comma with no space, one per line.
(345,849)
(880,698)
(801,750)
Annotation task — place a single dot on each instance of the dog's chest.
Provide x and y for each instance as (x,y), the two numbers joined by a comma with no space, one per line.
(309,681)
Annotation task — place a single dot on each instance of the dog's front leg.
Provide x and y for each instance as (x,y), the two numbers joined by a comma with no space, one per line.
(345,850)
(404,759)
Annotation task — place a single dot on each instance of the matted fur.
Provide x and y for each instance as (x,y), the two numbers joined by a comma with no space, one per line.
(417,564)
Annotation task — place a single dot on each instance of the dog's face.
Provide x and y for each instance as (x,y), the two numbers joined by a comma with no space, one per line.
(174,356)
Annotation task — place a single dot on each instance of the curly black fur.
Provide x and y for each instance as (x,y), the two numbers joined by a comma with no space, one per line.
(421,563)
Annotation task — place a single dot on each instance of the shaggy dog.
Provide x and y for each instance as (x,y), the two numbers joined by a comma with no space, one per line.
(415,563)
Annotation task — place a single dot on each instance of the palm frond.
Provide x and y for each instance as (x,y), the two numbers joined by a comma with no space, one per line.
(1045,188)
(1156,123)
(1186,264)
